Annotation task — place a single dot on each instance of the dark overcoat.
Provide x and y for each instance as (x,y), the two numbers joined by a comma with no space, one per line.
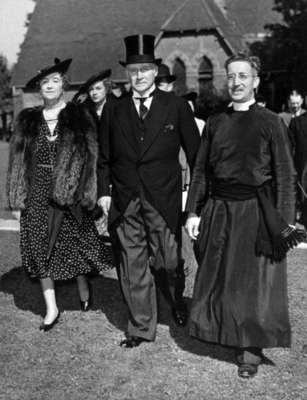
(74,174)
(298,138)
(152,165)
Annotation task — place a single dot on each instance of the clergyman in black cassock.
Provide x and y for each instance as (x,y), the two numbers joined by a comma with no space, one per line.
(240,295)
(140,143)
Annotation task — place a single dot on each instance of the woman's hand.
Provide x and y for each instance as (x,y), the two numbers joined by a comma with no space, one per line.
(105,203)
(192,226)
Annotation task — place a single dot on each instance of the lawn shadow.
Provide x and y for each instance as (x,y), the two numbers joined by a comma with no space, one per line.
(206,349)
(192,345)
(27,295)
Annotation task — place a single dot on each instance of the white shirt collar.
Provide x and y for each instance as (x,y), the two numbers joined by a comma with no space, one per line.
(100,108)
(146,94)
(242,106)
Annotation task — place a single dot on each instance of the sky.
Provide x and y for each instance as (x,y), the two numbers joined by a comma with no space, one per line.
(13,15)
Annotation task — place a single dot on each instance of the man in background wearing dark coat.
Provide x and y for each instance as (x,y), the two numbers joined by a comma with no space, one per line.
(140,143)
(242,189)
(298,138)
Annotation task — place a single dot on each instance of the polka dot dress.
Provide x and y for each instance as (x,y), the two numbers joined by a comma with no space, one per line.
(78,248)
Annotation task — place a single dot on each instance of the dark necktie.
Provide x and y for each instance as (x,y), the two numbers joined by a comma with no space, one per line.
(143,108)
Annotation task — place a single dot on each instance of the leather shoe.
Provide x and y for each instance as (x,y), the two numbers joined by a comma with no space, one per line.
(46,327)
(132,341)
(247,371)
(180,316)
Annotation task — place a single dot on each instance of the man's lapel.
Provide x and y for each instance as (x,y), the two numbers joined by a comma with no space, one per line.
(155,119)
(125,120)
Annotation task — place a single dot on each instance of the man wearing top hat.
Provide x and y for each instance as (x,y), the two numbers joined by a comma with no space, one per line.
(139,145)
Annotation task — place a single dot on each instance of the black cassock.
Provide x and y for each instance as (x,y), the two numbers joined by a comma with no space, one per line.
(240,299)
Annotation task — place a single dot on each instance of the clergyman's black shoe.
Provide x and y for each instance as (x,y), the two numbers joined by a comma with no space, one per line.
(46,327)
(247,371)
(180,315)
(132,341)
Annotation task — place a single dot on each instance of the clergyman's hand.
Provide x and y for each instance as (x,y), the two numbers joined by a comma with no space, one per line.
(105,203)
(192,226)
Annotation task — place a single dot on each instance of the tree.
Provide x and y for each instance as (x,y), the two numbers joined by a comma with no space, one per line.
(5,94)
(5,78)
(284,51)
(28,17)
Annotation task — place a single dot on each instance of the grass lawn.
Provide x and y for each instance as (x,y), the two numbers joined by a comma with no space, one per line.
(80,358)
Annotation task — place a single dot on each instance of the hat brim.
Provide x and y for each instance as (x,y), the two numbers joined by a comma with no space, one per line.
(60,67)
(141,60)
(167,78)
(100,76)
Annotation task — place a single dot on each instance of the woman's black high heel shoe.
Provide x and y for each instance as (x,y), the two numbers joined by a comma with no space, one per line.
(86,305)
(46,327)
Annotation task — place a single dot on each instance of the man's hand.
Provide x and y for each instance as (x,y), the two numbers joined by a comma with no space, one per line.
(192,225)
(105,202)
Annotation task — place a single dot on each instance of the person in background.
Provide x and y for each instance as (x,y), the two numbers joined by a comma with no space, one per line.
(260,100)
(295,107)
(186,176)
(191,98)
(119,90)
(241,207)
(94,94)
(139,147)
(165,80)
(52,180)
(298,138)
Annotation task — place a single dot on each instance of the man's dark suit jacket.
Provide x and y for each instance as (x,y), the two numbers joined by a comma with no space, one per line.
(128,164)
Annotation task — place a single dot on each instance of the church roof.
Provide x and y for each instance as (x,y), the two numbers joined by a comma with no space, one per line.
(91,31)
(203,15)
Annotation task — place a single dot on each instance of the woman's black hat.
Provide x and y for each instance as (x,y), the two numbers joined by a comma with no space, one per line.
(164,74)
(58,66)
(100,76)
(140,49)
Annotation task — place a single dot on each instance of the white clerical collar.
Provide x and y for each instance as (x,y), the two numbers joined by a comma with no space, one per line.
(242,106)
(148,92)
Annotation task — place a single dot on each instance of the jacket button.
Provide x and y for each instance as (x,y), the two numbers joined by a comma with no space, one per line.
(142,138)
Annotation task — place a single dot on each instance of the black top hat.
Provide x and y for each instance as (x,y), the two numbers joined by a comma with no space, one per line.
(164,74)
(140,49)
(100,76)
(58,66)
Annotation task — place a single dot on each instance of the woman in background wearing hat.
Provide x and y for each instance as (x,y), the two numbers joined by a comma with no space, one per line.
(165,80)
(52,180)
(95,89)
(93,95)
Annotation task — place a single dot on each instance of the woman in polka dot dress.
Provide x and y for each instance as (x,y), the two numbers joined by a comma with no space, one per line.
(52,179)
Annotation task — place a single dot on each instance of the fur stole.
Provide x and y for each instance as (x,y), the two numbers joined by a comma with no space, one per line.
(74,174)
